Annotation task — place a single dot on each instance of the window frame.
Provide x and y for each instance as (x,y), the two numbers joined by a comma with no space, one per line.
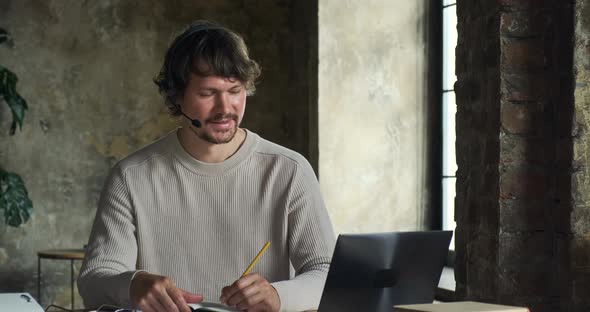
(438,63)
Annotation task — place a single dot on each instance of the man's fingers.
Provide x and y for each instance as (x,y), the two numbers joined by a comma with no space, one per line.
(154,303)
(229,291)
(166,301)
(191,298)
(244,296)
(251,293)
(176,296)
(155,293)
(236,298)
(250,301)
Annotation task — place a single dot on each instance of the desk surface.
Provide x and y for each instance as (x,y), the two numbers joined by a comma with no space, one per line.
(68,254)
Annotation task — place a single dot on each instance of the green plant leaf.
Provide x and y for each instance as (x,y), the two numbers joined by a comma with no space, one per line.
(3,36)
(14,199)
(17,104)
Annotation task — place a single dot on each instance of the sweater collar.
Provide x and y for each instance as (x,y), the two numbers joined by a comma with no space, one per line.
(212,169)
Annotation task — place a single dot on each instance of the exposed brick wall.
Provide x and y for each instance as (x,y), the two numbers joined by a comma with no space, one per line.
(535,149)
(514,97)
(477,148)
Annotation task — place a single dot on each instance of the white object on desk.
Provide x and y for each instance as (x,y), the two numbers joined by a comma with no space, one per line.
(461,306)
(19,302)
(212,306)
(202,306)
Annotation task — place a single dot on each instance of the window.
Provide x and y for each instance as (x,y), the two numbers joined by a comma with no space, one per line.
(449,109)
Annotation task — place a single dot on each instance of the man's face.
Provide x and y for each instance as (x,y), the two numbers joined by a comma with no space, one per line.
(218,103)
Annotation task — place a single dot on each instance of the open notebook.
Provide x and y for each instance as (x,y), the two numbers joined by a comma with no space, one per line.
(211,306)
(196,307)
(19,302)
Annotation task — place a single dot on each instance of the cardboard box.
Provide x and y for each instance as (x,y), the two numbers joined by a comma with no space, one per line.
(462,306)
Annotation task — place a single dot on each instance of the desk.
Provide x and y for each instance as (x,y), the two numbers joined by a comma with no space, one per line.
(59,254)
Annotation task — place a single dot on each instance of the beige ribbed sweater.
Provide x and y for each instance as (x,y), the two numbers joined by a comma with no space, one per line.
(201,224)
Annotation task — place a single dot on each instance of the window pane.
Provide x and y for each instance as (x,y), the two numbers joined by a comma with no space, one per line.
(448,192)
(449,43)
(448,2)
(449,111)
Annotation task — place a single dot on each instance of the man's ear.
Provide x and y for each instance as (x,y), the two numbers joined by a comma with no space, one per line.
(178,102)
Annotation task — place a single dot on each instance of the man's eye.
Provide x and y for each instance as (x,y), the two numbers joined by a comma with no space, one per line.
(235,91)
(205,94)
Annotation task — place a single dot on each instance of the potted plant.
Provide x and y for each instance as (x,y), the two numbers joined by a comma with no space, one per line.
(14,198)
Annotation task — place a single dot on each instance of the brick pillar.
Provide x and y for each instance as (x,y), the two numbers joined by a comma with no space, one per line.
(514,147)
(477,148)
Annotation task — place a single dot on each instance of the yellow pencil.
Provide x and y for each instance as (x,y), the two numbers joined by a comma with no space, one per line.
(255,259)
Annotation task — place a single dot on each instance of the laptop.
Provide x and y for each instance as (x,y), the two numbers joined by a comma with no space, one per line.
(19,302)
(374,272)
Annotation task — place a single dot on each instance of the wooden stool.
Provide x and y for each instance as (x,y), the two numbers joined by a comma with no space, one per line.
(59,254)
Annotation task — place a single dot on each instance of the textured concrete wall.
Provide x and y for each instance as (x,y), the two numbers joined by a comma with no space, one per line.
(579,253)
(372,113)
(86,69)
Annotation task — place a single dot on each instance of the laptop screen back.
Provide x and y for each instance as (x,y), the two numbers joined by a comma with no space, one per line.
(374,272)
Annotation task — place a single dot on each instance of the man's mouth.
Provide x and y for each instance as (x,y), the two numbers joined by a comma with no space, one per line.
(222,124)
(223,121)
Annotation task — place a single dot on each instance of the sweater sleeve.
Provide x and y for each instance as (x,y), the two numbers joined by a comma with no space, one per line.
(111,254)
(311,242)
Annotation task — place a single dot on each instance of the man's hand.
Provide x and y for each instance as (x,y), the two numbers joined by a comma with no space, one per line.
(155,293)
(251,293)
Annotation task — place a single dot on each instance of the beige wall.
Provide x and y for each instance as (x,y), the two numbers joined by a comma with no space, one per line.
(372,113)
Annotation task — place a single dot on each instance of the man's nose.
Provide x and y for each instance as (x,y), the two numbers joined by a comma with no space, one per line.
(223,103)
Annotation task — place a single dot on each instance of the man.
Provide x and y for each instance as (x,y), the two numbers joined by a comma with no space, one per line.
(179,220)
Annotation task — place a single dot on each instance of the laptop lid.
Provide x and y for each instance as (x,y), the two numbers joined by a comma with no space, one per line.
(374,272)
(21,302)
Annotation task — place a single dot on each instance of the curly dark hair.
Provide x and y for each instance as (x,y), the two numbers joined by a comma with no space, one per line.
(203,42)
